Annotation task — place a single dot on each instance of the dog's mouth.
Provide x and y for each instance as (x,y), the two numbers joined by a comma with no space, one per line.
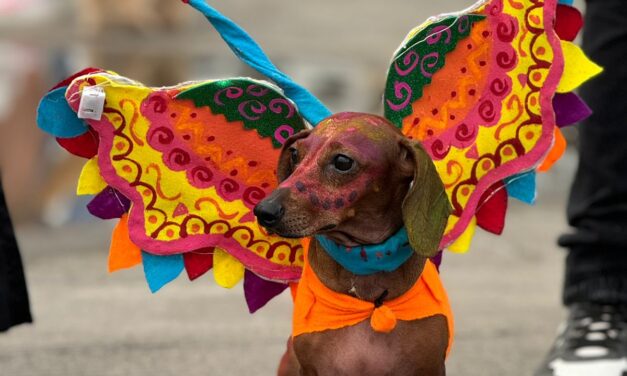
(344,238)
(326,228)
(290,234)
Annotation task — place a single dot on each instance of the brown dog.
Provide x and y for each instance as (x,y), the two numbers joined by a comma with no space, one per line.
(357,180)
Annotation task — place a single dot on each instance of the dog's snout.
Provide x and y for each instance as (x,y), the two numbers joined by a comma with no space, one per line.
(269,212)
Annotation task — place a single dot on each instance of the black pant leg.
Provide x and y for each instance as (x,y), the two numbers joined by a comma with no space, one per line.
(596,266)
(14,305)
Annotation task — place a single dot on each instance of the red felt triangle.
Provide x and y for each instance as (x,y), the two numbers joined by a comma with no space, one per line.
(85,145)
(198,262)
(491,213)
(69,80)
(568,22)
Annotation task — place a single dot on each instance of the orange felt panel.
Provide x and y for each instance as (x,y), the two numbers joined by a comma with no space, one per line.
(556,152)
(123,253)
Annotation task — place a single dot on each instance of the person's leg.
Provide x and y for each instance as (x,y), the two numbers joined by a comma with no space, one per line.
(14,306)
(593,340)
(596,267)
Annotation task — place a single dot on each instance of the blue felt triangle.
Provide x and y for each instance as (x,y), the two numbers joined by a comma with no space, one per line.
(247,50)
(522,187)
(160,270)
(55,116)
(566,2)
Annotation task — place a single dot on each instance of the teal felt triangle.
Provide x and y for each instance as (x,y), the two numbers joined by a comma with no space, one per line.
(160,270)
(522,187)
(55,116)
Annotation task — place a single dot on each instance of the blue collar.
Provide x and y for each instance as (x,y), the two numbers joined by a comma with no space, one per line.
(372,258)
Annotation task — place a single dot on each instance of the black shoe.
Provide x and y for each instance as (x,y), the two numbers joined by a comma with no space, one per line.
(592,342)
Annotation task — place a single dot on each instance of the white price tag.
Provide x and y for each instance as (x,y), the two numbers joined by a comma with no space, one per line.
(92,103)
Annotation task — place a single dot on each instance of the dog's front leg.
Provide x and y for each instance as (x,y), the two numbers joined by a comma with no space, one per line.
(289,365)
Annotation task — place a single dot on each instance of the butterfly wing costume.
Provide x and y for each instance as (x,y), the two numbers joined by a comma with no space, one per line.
(181,168)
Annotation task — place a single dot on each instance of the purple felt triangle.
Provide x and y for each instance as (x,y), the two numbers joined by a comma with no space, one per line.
(109,204)
(569,109)
(258,291)
(437,259)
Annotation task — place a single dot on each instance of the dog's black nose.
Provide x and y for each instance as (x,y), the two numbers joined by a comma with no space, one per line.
(269,212)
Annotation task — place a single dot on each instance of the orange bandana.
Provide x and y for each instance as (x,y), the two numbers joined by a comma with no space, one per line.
(318,308)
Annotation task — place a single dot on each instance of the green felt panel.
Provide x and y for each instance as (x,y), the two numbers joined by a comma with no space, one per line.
(259,106)
(418,59)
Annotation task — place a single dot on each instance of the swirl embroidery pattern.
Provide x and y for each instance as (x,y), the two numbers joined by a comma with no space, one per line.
(196,174)
(481,114)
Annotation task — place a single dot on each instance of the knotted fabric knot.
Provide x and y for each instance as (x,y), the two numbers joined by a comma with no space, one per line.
(383,319)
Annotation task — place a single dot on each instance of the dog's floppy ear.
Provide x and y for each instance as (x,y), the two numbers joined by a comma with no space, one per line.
(426,206)
(284,169)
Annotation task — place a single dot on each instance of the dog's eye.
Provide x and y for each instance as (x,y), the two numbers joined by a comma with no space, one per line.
(293,156)
(343,163)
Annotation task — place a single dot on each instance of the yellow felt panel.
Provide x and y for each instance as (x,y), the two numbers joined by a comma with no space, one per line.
(227,271)
(123,253)
(462,244)
(90,182)
(577,68)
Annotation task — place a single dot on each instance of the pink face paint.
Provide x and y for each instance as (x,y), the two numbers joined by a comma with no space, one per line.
(356,136)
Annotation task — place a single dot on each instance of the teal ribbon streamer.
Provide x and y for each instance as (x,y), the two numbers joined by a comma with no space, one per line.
(247,50)
(372,258)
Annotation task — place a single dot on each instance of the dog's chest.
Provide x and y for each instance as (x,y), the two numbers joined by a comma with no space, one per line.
(358,350)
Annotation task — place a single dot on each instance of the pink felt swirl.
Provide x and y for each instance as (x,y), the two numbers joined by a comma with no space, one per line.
(277,106)
(439,150)
(506,30)
(465,133)
(495,8)
(410,62)
(158,103)
(231,92)
(161,135)
(278,133)
(178,158)
(257,90)
(463,24)
(506,60)
(252,109)
(500,86)
(228,189)
(201,176)
(429,61)
(253,195)
(487,111)
(403,91)
(436,34)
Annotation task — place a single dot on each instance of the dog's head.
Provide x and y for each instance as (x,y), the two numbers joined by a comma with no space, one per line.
(356,179)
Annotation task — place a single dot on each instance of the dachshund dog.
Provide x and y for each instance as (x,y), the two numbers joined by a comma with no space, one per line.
(357,180)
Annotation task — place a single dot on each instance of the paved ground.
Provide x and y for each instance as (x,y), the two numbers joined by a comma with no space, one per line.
(504,294)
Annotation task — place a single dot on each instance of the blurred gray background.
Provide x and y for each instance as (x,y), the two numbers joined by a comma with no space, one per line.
(505,292)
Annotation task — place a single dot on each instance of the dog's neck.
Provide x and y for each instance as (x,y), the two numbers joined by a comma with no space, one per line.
(365,287)
(385,256)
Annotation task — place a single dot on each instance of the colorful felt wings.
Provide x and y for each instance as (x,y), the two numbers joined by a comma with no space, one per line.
(486,91)
(188,164)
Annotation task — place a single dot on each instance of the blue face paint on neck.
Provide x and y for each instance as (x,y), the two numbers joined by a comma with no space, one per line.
(373,258)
